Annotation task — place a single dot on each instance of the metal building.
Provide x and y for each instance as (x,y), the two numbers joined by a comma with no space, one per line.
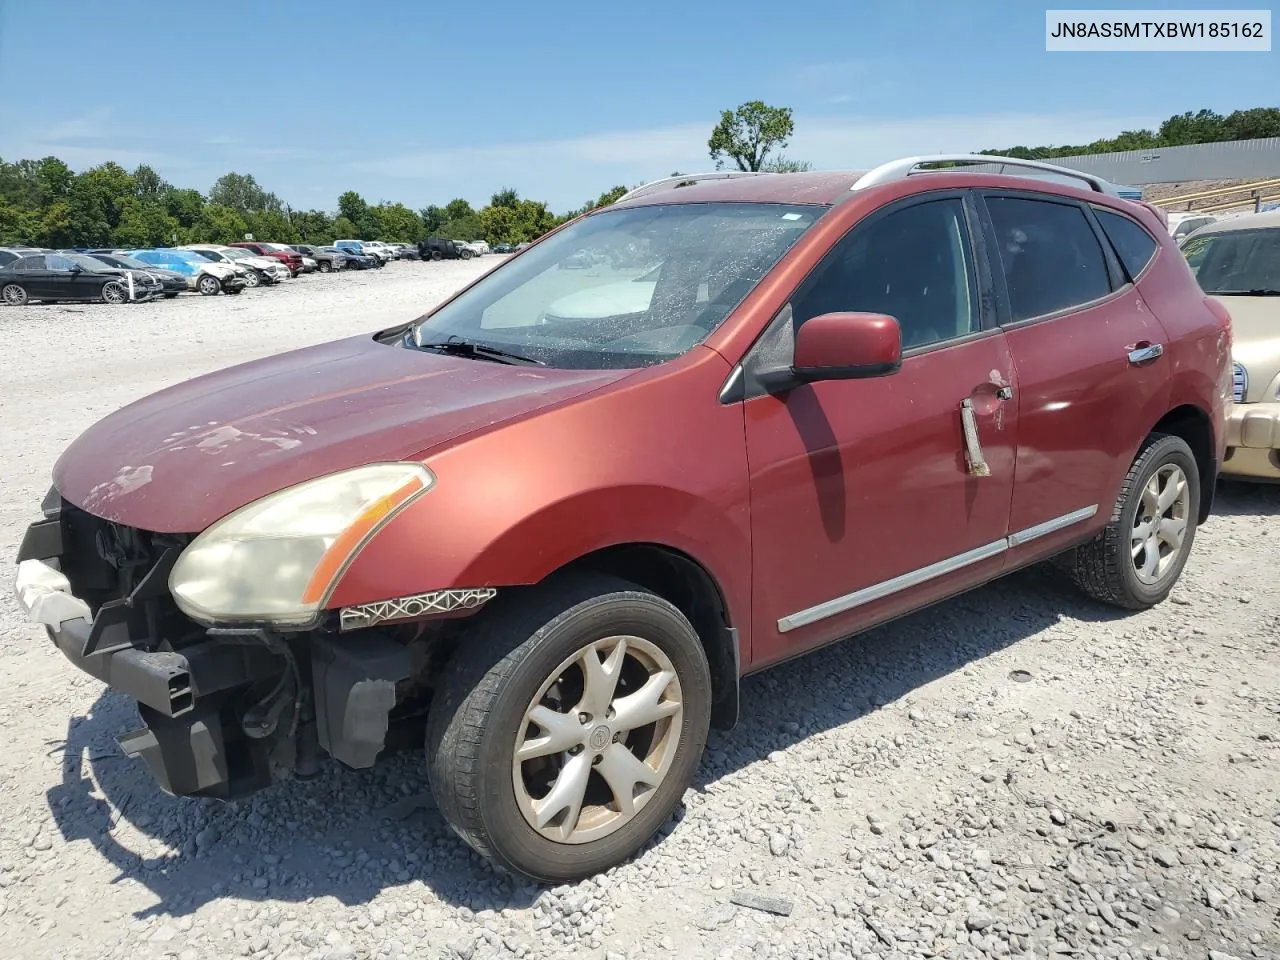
(1230,160)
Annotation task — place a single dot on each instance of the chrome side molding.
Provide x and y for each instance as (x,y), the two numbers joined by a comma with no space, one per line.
(877,591)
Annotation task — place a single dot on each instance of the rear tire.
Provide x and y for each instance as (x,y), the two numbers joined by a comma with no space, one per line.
(437,255)
(642,723)
(1136,560)
(14,295)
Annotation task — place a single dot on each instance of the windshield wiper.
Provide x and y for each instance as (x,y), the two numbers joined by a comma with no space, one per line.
(1256,292)
(458,347)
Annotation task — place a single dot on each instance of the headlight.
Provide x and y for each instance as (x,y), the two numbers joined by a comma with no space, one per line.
(277,559)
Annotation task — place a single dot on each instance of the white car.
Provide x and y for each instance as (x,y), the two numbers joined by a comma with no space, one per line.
(379,249)
(480,246)
(1181,224)
(268,265)
(395,249)
(474,247)
(370,247)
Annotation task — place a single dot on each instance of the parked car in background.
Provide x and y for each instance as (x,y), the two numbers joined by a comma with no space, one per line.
(355,259)
(378,249)
(438,248)
(1182,224)
(480,246)
(409,251)
(51,277)
(260,270)
(851,397)
(290,258)
(363,247)
(326,261)
(207,277)
(10,254)
(171,281)
(504,248)
(1237,262)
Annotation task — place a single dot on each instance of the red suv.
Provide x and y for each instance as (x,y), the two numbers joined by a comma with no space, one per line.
(553,522)
(290,258)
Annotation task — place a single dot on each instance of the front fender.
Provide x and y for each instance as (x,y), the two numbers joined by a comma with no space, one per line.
(427,548)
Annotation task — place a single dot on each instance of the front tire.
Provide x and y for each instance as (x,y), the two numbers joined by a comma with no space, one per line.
(324,266)
(567,727)
(208,285)
(114,292)
(1136,560)
(251,279)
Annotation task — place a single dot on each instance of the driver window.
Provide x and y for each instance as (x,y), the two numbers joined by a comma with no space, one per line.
(914,264)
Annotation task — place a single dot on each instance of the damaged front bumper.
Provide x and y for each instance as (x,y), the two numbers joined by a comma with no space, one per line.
(225,711)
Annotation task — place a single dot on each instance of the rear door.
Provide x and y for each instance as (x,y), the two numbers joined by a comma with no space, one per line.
(1092,380)
(35,278)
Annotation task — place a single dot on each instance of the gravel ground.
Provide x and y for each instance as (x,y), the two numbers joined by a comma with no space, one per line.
(1014,773)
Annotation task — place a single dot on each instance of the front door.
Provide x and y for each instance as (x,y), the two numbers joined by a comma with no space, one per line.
(866,500)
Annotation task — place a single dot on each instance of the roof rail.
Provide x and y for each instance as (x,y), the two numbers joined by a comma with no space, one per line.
(900,169)
(670,183)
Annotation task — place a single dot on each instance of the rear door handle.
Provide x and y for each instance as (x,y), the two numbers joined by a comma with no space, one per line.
(1145,353)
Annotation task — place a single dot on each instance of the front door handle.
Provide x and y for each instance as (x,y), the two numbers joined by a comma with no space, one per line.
(1145,353)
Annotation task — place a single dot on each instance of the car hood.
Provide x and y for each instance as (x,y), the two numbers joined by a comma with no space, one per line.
(1255,340)
(179,459)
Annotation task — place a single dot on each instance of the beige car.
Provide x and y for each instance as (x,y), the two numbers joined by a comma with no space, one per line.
(1238,262)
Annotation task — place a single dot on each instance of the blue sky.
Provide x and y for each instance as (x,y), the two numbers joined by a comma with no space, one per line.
(424,101)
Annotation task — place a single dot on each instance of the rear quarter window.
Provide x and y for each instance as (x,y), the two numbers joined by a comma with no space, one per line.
(1133,245)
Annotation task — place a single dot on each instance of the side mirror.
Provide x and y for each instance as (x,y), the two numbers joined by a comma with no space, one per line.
(76,268)
(847,346)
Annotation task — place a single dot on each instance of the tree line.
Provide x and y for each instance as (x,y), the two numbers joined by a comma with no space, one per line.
(1183,129)
(45,203)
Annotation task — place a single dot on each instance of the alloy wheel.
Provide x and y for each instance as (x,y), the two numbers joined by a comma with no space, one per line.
(1160,525)
(597,739)
(114,292)
(14,295)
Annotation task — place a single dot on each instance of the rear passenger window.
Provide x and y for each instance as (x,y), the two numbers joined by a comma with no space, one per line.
(1051,257)
(1133,245)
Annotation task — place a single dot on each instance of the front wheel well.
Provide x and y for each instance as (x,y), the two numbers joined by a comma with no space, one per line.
(1193,426)
(682,581)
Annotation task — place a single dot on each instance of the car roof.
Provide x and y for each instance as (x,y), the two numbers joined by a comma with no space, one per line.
(1250,221)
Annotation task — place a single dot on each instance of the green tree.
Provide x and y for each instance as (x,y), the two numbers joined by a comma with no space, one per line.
(143,223)
(185,206)
(396,223)
(458,210)
(314,226)
(243,194)
(1254,124)
(506,197)
(433,218)
(747,135)
(352,206)
(54,179)
(344,229)
(781,164)
(463,228)
(220,224)
(148,184)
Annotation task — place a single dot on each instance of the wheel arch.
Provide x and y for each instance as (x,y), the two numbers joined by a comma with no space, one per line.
(1193,425)
(685,583)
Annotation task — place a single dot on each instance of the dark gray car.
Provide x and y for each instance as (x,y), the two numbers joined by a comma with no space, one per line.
(325,262)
